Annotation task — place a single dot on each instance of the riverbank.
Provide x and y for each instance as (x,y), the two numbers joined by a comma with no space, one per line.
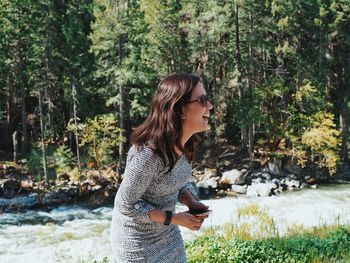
(20,190)
(322,246)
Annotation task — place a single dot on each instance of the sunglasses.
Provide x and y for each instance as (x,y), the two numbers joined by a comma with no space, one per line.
(202,99)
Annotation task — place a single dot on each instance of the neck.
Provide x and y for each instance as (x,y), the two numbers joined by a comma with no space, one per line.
(184,138)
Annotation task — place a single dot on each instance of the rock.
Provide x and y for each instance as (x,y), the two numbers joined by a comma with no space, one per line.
(209,172)
(310,180)
(233,177)
(266,176)
(275,166)
(211,182)
(9,187)
(261,189)
(20,202)
(293,169)
(275,181)
(231,193)
(256,180)
(239,189)
(314,186)
(221,193)
(292,183)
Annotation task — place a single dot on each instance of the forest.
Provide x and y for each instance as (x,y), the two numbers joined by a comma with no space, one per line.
(76,76)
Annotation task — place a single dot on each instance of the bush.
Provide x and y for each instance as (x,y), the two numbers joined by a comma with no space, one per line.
(334,247)
(62,159)
(100,136)
(34,162)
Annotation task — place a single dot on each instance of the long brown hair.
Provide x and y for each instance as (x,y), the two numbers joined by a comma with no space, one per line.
(163,127)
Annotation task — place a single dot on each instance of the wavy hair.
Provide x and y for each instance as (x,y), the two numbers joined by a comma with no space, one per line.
(162,129)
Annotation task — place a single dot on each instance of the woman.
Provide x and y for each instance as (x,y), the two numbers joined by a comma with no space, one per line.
(158,170)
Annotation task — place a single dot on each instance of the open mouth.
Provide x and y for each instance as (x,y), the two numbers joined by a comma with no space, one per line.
(206,117)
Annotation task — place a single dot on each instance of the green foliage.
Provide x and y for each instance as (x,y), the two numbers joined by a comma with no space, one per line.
(320,142)
(268,66)
(100,135)
(63,157)
(333,247)
(63,162)
(34,162)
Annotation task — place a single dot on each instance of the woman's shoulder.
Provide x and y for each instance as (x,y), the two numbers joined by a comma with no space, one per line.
(143,152)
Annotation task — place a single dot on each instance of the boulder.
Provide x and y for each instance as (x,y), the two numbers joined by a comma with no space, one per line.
(275,166)
(293,169)
(211,182)
(292,183)
(261,189)
(239,189)
(221,193)
(233,177)
(209,172)
(9,187)
(20,202)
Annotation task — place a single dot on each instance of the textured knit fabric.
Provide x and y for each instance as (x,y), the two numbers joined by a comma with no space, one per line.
(147,185)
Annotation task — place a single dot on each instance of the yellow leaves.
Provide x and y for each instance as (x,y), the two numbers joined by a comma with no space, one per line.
(283,22)
(306,91)
(284,48)
(323,140)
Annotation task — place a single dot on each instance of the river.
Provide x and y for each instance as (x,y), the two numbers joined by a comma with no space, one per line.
(79,234)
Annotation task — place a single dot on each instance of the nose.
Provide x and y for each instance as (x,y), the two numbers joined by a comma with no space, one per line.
(210,106)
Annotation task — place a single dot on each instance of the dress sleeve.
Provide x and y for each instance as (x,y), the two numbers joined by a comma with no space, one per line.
(139,172)
(186,186)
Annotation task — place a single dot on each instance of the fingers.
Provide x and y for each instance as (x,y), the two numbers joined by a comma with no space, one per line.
(197,226)
(196,219)
(202,217)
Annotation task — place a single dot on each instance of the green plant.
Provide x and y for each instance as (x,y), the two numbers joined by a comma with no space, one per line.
(319,143)
(34,162)
(100,135)
(333,247)
(63,158)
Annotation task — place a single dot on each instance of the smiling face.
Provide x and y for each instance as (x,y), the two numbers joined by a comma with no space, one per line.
(195,114)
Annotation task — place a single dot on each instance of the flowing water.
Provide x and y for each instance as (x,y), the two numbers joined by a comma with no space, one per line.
(80,234)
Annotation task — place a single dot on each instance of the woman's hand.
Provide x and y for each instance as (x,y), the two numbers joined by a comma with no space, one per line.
(187,220)
(197,206)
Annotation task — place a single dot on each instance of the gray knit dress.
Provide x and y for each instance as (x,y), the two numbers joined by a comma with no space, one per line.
(147,185)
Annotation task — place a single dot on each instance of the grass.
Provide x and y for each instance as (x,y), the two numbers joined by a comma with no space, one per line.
(257,240)
(254,238)
(333,247)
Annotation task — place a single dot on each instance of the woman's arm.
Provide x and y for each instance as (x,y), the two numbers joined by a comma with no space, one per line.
(137,177)
(184,219)
(191,202)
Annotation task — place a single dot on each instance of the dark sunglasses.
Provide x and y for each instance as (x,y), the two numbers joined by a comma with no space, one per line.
(202,99)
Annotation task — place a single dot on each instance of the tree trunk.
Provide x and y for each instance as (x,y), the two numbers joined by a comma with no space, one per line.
(121,162)
(251,91)
(15,146)
(239,72)
(24,141)
(42,130)
(75,117)
(344,127)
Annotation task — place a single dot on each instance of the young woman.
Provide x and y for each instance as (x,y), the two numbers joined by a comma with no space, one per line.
(145,225)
